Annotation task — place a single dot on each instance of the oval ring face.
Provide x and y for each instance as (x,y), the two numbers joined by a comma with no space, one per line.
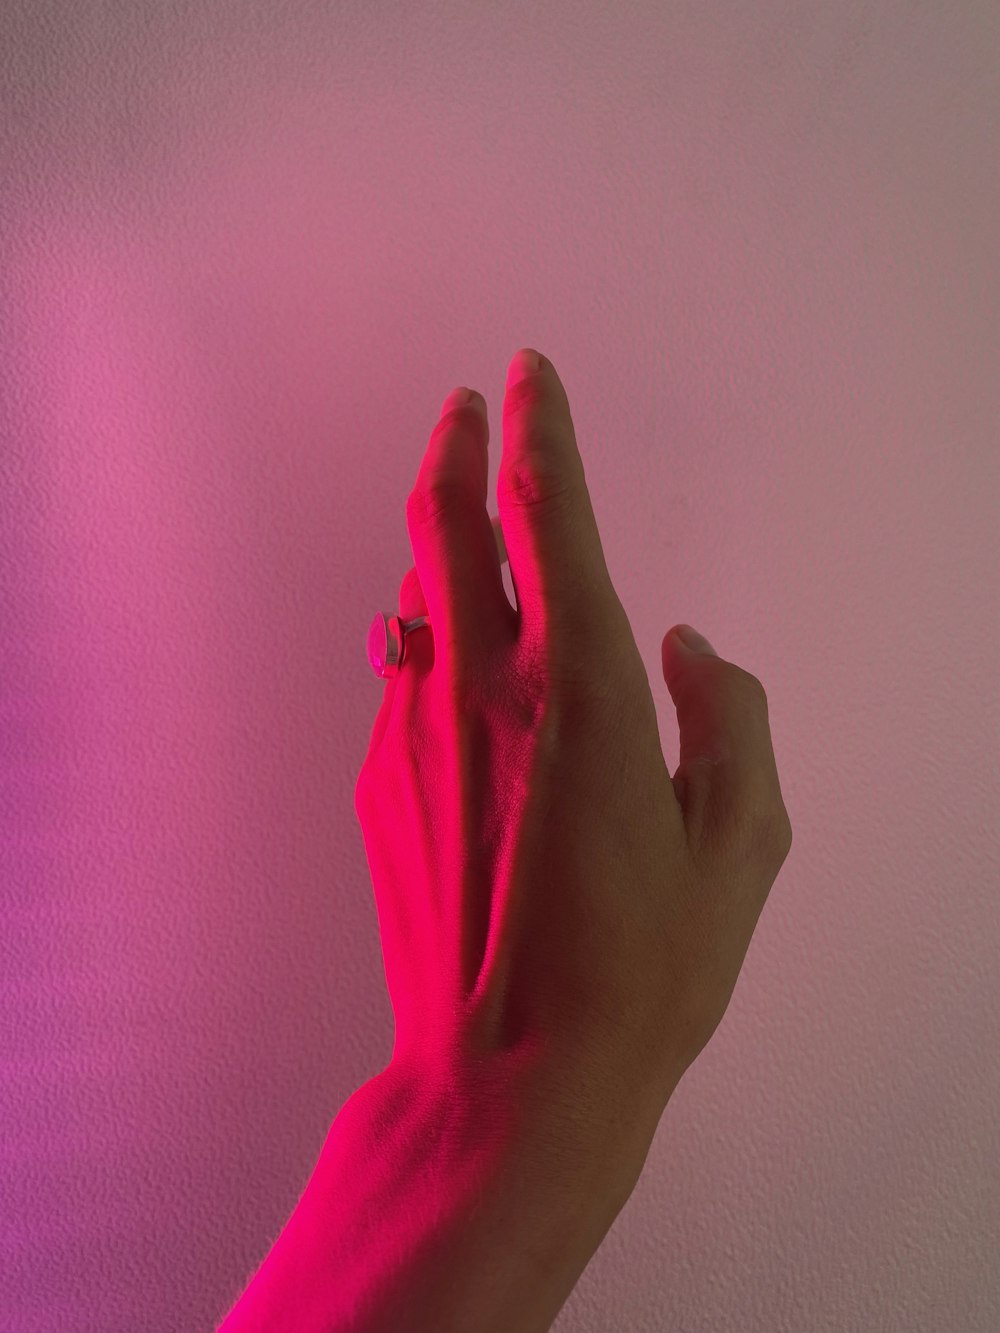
(379,656)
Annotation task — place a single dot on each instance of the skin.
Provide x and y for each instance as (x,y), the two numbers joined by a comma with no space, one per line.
(562,922)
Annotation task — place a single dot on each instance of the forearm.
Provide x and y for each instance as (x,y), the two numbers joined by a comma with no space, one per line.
(429,1218)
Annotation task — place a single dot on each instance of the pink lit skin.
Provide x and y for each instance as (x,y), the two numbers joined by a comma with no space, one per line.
(562,922)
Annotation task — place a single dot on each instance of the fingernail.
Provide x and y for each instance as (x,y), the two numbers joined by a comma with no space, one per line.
(695,641)
(523,363)
(457,398)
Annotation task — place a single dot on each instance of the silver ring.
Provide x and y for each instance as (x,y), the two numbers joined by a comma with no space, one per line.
(387,641)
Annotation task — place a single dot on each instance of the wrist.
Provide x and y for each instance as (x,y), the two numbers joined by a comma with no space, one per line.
(520,1111)
(438,1207)
(475,1212)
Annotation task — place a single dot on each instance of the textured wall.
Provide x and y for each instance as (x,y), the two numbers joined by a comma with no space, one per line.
(246,251)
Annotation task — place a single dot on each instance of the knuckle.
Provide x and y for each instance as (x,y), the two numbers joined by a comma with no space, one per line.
(410,587)
(584,660)
(775,826)
(361,791)
(435,499)
(375,787)
(770,831)
(532,481)
(755,799)
(783,832)
(755,806)
(606,674)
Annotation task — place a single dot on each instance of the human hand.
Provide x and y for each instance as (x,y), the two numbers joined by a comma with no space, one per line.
(561,921)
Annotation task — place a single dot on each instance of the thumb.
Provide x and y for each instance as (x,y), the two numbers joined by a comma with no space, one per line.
(727,779)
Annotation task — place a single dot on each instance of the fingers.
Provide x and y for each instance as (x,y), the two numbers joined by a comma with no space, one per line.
(556,559)
(727,778)
(454,547)
(418,654)
(419,648)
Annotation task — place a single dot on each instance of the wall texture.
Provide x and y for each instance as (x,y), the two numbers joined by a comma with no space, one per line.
(245,251)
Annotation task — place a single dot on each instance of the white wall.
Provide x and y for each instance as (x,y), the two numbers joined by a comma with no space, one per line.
(245,251)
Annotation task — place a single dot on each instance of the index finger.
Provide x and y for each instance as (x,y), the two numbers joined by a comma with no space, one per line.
(557,561)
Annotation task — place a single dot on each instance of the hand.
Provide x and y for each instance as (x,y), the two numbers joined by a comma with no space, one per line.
(561,922)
